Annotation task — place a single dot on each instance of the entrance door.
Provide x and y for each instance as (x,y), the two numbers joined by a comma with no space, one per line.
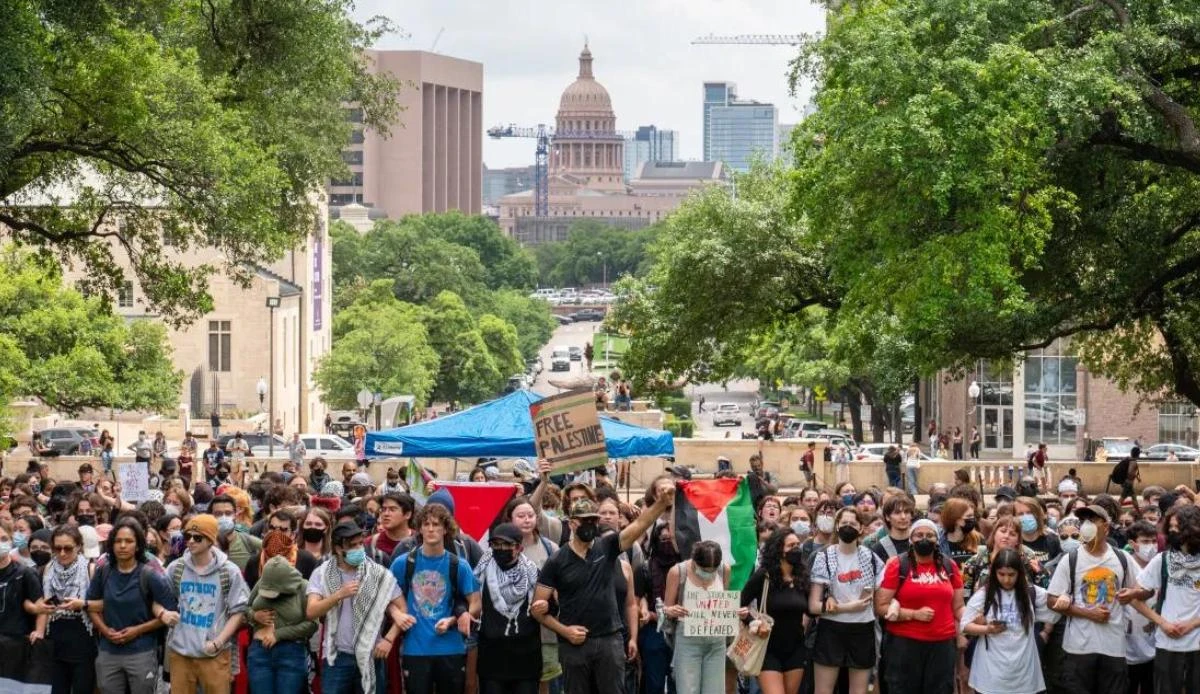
(997,428)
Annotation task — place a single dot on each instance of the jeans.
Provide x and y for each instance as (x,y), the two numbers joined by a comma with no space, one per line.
(894,477)
(595,667)
(912,481)
(699,665)
(656,662)
(281,669)
(342,676)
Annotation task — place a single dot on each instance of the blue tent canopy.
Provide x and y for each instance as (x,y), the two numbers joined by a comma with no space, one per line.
(503,428)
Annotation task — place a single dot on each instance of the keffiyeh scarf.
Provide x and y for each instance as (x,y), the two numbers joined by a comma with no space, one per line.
(1183,568)
(375,587)
(66,583)
(509,588)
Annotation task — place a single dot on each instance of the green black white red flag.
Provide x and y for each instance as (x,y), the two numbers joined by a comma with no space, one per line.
(719,510)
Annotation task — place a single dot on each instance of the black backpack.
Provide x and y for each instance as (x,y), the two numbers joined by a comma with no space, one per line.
(1120,472)
(458,602)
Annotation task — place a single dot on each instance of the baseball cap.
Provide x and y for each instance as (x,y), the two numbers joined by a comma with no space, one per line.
(1006,492)
(346,529)
(507,532)
(680,471)
(522,468)
(361,479)
(1093,511)
(1068,485)
(584,508)
(91,541)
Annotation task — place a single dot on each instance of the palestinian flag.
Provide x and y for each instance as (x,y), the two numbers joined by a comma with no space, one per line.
(416,478)
(719,510)
(477,505)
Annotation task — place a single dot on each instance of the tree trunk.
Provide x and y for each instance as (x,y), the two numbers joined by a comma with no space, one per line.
(918,420)
(854,404)
(898,425)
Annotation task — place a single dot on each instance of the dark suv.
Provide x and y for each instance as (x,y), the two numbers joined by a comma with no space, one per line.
(252,439)
(66,440)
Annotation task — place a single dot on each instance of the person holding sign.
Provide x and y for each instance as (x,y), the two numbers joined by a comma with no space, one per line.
(704,615)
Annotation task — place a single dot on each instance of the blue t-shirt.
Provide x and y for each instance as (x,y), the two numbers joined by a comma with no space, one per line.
(124,605)
(430,599)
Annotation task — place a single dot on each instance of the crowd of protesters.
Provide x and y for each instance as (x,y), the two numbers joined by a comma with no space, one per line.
(227,578)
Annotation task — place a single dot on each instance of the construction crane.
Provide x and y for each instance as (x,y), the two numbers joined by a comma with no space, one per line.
(541,160)
(541,173)
(752,39)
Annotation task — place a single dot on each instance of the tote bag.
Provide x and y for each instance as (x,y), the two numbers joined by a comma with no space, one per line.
(748,650)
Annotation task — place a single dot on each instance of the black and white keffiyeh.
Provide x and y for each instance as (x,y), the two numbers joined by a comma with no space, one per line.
(509,588)
(66,583)
(375,587)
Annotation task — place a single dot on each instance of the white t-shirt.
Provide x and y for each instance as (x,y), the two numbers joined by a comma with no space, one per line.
(849,580)
(1097,580)
(1008,662)
(344,639)
(1182,603)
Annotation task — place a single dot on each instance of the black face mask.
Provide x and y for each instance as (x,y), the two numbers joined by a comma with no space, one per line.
(312,534)
(794,556)
(968,525)
(587,531)
(1174,539)
(847,534)
(924,548)
(505,557)
(86,519)
(40,557)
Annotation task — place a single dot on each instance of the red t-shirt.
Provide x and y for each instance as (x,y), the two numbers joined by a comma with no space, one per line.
(385,544)
(927,585)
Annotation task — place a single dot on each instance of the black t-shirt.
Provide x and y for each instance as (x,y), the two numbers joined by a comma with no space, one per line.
(892,460)
(959,553)
(508,655)
(881,551)
(586,586)
(18,583)
(1045,548)
(787,605)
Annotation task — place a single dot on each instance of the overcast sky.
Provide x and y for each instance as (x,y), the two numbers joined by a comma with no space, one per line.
(642,50)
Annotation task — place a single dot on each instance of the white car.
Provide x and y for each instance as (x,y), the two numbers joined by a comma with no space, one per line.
(727,413)
(327,446)
(875,451)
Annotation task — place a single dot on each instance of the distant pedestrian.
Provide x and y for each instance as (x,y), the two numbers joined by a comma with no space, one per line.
(701,403)
(328,423)
(214,422)
(976,439)
(957,443)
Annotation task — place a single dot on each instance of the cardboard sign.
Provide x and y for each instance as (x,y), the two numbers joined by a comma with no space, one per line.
(710,612)
(567,431)
(135,481)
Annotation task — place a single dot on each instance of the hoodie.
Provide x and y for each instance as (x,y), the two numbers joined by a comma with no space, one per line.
(203,610)
(282,590)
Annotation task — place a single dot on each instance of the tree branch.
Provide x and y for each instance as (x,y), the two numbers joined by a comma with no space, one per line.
(1142,151)
(1078,12)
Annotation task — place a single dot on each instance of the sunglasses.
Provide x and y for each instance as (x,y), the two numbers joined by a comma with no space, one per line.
(195,537)
(60,549)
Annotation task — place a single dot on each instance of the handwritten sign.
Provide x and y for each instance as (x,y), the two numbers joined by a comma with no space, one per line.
(135,481)
(710,612)
(567,431)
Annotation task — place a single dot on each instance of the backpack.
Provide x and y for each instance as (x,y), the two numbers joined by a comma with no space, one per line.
(889,546)
(1120,472)
(159,635)
(1162,585)
(810,634)
(947,567)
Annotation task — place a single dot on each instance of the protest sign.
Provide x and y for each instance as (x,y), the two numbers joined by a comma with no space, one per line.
(568,432)
(710,612)
(135,481)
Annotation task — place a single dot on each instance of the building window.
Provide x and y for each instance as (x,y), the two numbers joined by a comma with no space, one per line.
(356,137)
(125,295)
(354,115)
(1177,423)
(220,347)
(352,156)
(356,179)
(1050,396)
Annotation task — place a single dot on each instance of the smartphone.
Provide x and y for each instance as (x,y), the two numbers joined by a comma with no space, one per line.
(1000,623)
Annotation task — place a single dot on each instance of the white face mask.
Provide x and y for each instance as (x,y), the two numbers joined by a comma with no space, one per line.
(825,524)
(1146,552)
(1087,531)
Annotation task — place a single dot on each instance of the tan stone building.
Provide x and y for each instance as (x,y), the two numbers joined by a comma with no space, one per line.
(433,159)
(586,172)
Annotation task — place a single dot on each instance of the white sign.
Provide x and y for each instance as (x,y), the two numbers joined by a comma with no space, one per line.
(711,612)
(135,481)
(389,447)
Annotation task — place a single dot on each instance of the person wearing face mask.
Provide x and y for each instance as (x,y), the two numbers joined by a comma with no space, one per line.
(656,654)
(801,523)
(352,594)
(1173,577)
(1139,638)
(626,595)
(239,545)
(844,579)
(960,538)
(510,644)
(1032,518)
(698,661)
(18,605)
(317,477)
(1089,586)
(64,621)
(921,601)
(277,658)
(898,513)
(280,540)
(845,492)
(39,548)
(783,579)
(23,529)
(823,529)
(591,648)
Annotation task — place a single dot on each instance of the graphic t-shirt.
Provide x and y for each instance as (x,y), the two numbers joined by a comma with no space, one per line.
(1182,603)
(1097,581)
(855,576)
(430,599)
(1008,661)
(928,585)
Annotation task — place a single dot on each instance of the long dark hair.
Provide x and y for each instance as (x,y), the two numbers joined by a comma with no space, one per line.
(139,536)
(1009,559)
(771,561)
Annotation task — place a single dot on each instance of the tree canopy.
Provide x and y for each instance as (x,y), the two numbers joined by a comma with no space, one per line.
(592,250)
(154,129)
(71,352)
(994,175)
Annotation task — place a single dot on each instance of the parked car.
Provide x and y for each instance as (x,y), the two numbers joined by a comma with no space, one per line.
(534,366)
(836,437)
(727,413)
(1117,447)
(766,410)
(344,422)
(587,314)
(1159,451)
(802,428)
(875,451)
(516,382)
(563,320)
(253,439)
(327,446)
(576,352)
(67,440)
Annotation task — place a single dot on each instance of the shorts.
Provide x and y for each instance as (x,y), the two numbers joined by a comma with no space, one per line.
(845,644)
(787,656)
(551,668)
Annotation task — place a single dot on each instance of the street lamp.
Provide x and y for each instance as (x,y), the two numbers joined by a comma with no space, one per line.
(261,389)
(272,303)
(973,392)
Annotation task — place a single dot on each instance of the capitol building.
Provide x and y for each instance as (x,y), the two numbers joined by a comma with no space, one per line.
(586,177)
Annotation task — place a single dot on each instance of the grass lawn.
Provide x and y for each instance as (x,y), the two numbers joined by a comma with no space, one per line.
(614,345)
